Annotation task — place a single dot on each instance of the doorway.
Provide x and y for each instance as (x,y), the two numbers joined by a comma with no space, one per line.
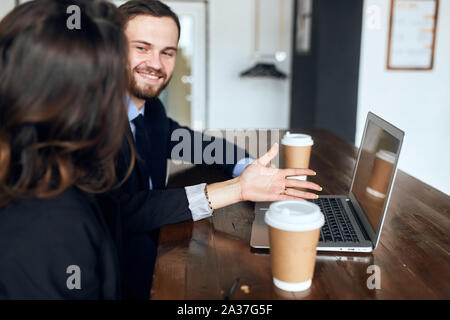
(325,77)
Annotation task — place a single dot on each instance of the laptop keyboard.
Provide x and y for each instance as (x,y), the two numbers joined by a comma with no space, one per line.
(337,227)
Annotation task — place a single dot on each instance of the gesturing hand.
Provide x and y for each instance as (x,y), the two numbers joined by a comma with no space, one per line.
(260,182)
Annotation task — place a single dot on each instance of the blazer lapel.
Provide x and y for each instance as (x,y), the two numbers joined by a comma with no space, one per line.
(137,178)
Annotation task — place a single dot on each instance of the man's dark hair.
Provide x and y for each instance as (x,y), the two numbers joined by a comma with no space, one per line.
(62,107)
(154,8)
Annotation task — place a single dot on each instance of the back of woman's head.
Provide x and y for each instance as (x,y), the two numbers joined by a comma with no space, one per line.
(62,98)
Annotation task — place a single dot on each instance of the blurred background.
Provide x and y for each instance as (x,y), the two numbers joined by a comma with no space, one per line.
(305,64)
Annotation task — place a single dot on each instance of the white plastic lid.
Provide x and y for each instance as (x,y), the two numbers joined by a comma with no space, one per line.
(297,140)
(294,215)
(386,156)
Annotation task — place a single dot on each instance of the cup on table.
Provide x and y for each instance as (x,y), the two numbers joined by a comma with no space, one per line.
(381,174)
(297,152)
(294,229)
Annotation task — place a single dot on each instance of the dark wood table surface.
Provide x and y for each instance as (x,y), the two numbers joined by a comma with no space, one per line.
(201,260)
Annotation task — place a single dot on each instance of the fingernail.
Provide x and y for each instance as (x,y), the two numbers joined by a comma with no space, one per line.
(317,196)
(315,173)
(321,189)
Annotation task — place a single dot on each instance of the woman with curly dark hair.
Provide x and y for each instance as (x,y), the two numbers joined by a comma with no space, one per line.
(62,118)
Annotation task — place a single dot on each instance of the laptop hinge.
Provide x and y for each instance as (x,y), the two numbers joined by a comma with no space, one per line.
(362,219)
(358,221)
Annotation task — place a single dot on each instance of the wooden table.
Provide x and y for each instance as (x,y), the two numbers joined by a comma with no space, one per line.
(201,260)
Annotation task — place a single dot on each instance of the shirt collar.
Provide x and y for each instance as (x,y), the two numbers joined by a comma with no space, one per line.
(133,110)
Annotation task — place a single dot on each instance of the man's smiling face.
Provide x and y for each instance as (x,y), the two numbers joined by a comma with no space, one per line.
(152,52)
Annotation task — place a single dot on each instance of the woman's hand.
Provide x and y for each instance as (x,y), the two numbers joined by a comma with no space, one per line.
(260,182)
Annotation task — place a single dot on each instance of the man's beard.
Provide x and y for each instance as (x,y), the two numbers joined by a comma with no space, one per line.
(147,91)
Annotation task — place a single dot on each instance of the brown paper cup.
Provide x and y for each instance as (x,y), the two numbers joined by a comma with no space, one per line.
(293,254)
(296,157)
(294,229)
(297,150)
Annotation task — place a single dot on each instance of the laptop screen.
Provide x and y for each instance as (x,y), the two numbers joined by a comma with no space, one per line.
(374,173)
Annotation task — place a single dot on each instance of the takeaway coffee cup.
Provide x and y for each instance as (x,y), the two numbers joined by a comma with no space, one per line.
(297,150)
(294,228)
(381,174)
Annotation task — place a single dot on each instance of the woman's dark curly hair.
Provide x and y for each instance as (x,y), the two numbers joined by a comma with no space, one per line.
(62,98)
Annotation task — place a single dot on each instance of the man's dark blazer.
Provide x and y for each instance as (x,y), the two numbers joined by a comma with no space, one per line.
(144,210)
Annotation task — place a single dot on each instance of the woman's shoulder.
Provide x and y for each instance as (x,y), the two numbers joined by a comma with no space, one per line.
(43,240)
(70,202)
(71,211)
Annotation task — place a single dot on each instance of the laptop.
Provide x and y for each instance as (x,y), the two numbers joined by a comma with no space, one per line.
(353,222)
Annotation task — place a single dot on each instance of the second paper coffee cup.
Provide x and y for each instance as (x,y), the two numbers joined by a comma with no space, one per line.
(294,228)
(297,150)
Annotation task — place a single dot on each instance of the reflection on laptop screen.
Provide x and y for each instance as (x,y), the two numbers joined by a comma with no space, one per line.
(379,153)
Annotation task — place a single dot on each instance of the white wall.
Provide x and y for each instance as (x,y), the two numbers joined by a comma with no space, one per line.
(5,7)
(246,103)
(417,102)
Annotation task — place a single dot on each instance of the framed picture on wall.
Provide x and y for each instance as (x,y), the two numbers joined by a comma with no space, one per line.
(412,34)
